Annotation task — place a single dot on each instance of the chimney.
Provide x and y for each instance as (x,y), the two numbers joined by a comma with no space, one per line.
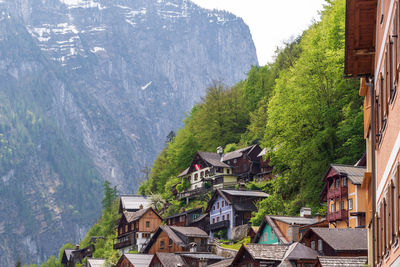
(141,207)
(220,152)
(305,212)
(319,217)
(76,246)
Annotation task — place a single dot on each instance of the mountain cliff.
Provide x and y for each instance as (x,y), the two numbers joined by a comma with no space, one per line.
(88,91)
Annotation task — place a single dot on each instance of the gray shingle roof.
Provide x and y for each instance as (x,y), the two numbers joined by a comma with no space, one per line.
(267,252)
(186,171)
(223,263)
(343,239)
(295,220)
(342,261)
(170,259)
(207,256)
(189,231)
(244,193)
(262,153)
(354,173)
(139,260)
(134,216)
(298,251)
(201,217)
(237,153)
(131,202)
(171,234)
(214,159)
(97,262)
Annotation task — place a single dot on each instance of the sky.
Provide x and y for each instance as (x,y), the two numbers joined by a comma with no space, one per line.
(271,22)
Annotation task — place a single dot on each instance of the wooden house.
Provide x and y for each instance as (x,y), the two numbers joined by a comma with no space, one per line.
(173,239)
(229,208)
(136,228)
(134,260)
(201,222)
(162,259)
(337,242)
(372,53)
(282,229)
(257,255)
(345,198)
(71,257)
(184,218)
(266,169)
(329,261)
(133,203)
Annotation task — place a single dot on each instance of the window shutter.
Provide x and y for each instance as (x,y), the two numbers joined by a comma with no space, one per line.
(387,80)
(397,47)
(397,198)
(382,232)
(391,213)
(377,237)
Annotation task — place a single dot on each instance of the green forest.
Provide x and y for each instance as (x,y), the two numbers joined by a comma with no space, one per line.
(299,107)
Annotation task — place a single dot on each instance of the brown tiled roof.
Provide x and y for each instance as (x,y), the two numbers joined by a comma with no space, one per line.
(214,159)
(189,231)
(170,259)
(354,173)
(223,263)
(342,261)
(274,252)
(343,239)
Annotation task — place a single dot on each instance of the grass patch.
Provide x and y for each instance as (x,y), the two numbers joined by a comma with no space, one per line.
(236,246)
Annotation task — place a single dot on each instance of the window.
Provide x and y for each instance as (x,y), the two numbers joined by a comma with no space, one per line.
(213,207)
(266,236)
(234,161)
(319,245)
(147,224)
(227,217)
(350,204)
(126,228)
(313,244)
(344,181)
(337,183)
(342,205)
(222,204)
(272,235)
(202,174)
(196,176)
(162,244)
(170,243)
(182,218)
(213,220)
(223,217)
(333,207)
(217,205)
(217,219)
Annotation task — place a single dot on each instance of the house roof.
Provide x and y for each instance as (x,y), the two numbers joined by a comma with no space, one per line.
(267,252)
(354,173)
(295,220)
(237,153)
(343,239)
(298,251)
(170,259)
(245,193)
(139,260)
(186,171)
(189,231)
(223,263)
(133,202)
(326,261)
(214,159)
(185,212)
(262,153)
(202,255)
(201,217)
(134,216)
(67,254)
(96,262)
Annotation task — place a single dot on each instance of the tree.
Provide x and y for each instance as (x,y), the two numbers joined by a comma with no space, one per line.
(110,194)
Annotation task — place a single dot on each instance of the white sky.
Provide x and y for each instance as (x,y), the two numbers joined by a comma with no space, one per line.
(270,21)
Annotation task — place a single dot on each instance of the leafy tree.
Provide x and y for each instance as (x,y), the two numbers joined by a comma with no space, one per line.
(110,194)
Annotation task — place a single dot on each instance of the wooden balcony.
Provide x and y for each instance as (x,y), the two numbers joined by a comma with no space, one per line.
(341,215)
(339,192)
(125,240)
(218,225)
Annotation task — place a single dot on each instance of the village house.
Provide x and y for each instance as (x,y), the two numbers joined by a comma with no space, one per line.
(90,262)
(185,218)
(173,239)
(136,228)
(266,169)
(372,53)
(337,241)
(71,257)
(133,203)
(284,229)
(229,208)
(345,198)
(257,255)
(134,260)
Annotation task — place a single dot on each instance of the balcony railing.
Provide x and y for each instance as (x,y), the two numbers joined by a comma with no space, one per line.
(218,225)
(337,192)
(340,215)
(125,241)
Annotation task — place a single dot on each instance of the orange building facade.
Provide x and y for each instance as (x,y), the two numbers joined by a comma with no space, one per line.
(373,54)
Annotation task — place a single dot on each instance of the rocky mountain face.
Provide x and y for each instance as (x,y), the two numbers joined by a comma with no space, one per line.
(89,90)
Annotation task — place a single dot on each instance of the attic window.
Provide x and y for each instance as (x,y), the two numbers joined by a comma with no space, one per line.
(162,244)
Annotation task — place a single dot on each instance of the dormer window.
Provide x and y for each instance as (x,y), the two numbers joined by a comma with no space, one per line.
(337,183)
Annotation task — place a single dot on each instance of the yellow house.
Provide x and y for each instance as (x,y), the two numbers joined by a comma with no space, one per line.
(345,198)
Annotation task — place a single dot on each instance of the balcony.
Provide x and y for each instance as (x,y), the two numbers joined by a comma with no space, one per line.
(218,225)
(125,241)
(341,215)
(337,192)
(194,192)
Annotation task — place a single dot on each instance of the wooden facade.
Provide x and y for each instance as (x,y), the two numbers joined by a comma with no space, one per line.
(184,218)
(165,244)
